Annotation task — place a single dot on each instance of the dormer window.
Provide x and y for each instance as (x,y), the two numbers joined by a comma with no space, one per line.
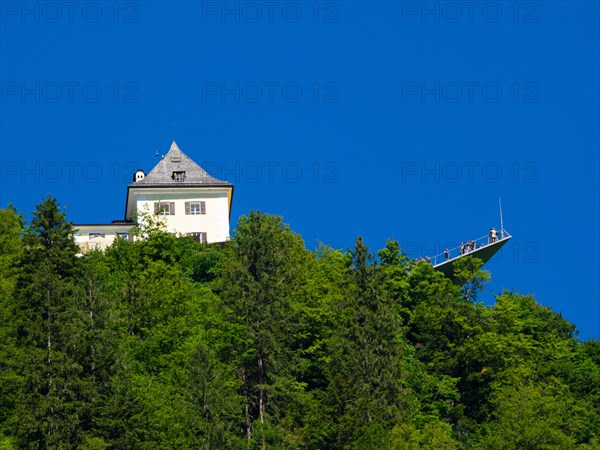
(179,176)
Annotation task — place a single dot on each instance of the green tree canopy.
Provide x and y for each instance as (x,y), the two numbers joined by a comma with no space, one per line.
(163,342)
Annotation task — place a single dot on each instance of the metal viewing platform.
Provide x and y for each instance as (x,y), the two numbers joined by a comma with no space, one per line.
(483,248)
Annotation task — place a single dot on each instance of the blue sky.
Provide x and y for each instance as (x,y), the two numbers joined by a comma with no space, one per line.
(381,119)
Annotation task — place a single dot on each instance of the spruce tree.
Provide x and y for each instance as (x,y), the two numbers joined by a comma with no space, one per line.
(368,352)
(259,283)
(11,246)
(53,399)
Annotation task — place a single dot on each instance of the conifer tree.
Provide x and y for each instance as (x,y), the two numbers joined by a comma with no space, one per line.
(11,246)
(53,398)
(258,287)
(368,385)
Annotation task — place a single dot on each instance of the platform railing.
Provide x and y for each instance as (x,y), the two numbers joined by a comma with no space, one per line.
(455,252)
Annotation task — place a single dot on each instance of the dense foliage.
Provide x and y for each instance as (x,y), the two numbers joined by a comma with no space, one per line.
(260,343)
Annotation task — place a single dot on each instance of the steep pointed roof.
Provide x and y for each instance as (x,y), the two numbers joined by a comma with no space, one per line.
(175,161)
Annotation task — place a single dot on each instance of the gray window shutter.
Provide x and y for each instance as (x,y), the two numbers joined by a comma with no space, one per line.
(155,207)
(202,207)
(203,237)
(187,208)
(172,208)
(130,237)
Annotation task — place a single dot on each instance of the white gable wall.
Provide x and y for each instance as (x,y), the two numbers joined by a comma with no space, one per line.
(215,223)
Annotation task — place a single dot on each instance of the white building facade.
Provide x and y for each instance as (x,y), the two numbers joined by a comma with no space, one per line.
(189,201)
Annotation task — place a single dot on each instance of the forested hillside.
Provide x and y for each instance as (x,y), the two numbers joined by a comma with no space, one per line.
(167,343)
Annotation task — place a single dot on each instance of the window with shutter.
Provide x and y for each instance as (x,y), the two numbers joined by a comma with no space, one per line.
(203,238)
(196,208)
(202,207)
(187,208)
(164,209)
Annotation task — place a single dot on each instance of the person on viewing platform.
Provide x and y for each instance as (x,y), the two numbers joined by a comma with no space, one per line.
(446,254)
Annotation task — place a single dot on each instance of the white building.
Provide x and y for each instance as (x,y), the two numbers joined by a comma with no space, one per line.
(191,202)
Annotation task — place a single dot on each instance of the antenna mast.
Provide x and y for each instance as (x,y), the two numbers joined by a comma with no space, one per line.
(501,224)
